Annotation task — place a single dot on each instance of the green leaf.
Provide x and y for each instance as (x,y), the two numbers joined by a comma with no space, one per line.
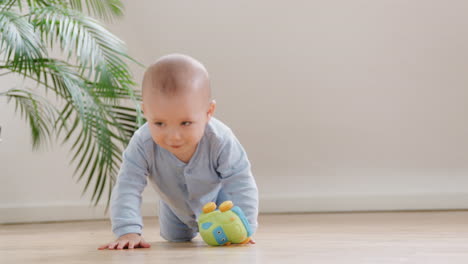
(100,54)
(105,9)
(39,113)
(19,43)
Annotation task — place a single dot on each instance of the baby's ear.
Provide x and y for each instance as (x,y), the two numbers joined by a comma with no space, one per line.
(143,110)
(212,108)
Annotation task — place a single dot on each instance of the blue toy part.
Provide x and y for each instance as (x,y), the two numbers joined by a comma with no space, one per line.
(243,218)
(220,236)
(207,225)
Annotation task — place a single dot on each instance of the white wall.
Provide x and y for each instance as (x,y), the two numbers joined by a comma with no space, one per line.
(341,105)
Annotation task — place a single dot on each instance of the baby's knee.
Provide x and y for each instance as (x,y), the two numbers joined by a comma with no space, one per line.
(172,236)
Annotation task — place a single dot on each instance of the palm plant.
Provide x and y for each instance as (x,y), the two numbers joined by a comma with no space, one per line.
(97,107)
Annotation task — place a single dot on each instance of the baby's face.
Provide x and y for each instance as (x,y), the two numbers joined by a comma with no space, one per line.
(177,123)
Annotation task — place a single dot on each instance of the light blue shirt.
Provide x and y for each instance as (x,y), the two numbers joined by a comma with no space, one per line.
(219,162)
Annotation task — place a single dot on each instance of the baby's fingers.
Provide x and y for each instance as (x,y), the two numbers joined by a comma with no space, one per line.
(114,245)
(131,244)
(144,244)
(109,245)
(105,246)
(122,244)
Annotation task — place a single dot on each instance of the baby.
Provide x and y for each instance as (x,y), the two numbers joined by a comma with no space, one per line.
(190,157)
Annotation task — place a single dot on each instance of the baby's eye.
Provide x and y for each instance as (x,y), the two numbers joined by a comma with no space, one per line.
(186,123)
(158,124)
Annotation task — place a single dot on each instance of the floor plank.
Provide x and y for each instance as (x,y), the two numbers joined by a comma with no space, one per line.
(392,237)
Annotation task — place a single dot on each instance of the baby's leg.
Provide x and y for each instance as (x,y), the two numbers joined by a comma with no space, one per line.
(172,229)
(222,196)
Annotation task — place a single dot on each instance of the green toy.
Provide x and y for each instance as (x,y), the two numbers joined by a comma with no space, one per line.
(225,226)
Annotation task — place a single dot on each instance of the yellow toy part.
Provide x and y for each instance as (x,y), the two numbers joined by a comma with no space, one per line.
(209,207)
(226,206)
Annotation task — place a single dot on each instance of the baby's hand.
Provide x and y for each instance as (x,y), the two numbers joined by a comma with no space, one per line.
(127,241)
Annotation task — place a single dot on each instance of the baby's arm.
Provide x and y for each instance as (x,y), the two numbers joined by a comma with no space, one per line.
(126,198)
(237,179)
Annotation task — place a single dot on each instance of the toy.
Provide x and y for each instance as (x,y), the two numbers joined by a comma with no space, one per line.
(225,226)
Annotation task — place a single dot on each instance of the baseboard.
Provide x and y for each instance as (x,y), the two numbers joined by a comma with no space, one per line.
(61,212)
(345,203)
(299,203)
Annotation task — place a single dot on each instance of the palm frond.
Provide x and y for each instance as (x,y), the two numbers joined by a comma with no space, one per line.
(39,113)
(91,125)
(98,51)
(90,89)
(19,44)
(94,126)
(105,9)
(10,4)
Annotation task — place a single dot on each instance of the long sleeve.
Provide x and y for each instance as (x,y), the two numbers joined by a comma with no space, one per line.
(237,179)
(126,196)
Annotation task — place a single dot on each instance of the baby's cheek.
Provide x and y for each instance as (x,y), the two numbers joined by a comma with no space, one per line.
(158,139)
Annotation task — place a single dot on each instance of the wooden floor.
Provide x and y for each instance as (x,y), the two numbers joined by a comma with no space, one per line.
(409,237)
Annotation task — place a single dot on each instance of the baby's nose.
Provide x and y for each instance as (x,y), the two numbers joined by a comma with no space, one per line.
(174,135)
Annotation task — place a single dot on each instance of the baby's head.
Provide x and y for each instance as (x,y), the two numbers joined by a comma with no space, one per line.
(177,103)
